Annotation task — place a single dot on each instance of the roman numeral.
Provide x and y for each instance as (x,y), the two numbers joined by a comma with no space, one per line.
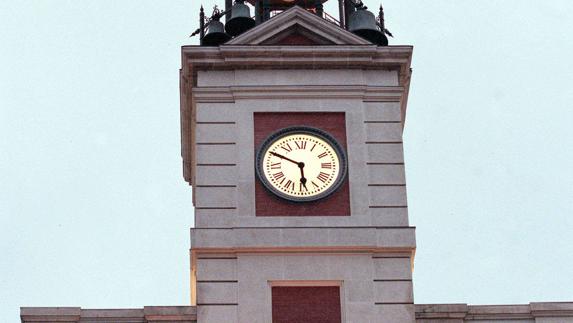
(301,186)
(313,183)
(276,166)
(324,154)
(278,175)
(323,177)
(326,165)
(287,148)
(300,144)
(311,149)
(288,185)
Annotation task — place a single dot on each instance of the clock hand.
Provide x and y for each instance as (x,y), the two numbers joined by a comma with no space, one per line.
(285,158)
(302,178)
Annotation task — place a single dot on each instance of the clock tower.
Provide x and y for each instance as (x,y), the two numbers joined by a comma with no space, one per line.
(292,143)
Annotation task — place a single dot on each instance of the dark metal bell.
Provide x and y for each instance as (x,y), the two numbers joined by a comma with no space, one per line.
(241,20)
(215,34)
(363,23)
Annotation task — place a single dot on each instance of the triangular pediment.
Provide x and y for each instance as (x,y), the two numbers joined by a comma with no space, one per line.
(297,26)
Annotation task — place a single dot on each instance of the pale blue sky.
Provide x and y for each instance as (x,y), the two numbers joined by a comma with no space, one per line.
(94,211)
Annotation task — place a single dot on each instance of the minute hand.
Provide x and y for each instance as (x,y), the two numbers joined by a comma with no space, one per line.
(285,158)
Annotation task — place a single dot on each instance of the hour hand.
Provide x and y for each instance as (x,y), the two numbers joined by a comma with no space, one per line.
(283,157)
(302,178)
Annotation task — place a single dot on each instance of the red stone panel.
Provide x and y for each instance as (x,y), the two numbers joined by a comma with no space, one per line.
(296,40)
(267,204)
(306,305)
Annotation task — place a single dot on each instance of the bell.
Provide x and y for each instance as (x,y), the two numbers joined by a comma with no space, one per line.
(215,34)
(363,23)
(241,20)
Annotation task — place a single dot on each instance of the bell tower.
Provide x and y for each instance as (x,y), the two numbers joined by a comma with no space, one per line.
(292,143)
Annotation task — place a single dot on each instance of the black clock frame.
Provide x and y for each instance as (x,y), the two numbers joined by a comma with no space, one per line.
(260,153)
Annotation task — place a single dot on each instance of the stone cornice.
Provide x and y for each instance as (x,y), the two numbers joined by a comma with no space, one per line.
(432,312)
(374,239)
(365,93)
(148,314)
(284,57)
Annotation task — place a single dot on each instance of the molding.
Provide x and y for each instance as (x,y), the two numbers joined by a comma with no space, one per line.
(364,93)
(341,250)
(494,312)
(147,314)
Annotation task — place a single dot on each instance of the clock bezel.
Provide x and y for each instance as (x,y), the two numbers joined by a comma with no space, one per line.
(294,130)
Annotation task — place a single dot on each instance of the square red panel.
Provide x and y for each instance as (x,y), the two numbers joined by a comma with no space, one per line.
(306,305)
(267,204)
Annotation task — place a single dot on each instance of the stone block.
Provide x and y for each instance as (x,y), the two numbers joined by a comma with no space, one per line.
(383,132)
(216,293)
(217,314)
(215,218)
(215,197)
(386,174)
(385,153)
(215,154)
(389,217)
(359,290)
(350,267)
(382,111)
(303,237)
(380,78)
(216,269)
(212,238)
(215,133)
(393,292)
(215,78)
(359,312)
(392,268)
(216,175)
(396,313)
(398,237)
(216,112)
(388,196)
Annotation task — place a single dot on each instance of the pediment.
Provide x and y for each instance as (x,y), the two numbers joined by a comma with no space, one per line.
(297,26)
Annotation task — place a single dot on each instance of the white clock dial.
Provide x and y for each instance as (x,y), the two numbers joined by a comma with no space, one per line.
(301,165)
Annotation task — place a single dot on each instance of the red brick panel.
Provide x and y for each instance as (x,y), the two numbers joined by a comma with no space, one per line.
(267,204)
(306,305)
(296,40)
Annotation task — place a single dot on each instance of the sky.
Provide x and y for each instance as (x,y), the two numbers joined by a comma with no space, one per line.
(94,211)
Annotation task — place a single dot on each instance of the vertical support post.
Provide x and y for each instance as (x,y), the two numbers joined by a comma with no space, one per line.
(381,17)
(201,23)
(348,9)
(228,6)
(266,10)
(258,14)
(319,8)
(341,16)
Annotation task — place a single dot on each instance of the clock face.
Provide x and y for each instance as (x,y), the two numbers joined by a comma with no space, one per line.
(301,164)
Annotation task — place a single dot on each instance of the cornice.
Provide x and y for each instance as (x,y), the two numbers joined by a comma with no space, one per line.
(147,314)
(283,57)
(365,93)
(493,312)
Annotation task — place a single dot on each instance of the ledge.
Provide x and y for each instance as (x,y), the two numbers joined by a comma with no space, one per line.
(431,312)
(371,239)
(148,314)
